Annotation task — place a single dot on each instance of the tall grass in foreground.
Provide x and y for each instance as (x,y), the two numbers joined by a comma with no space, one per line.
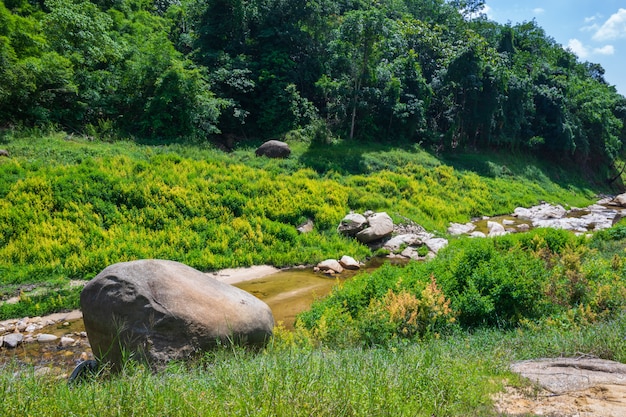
(451,376)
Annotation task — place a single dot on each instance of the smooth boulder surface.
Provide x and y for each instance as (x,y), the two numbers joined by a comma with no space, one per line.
(158,310)
(273,149)
(380,226)
(330,265)
(348,262)
(352,224)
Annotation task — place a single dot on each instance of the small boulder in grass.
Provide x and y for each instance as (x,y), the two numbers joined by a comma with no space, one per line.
(13,340)
(273,149)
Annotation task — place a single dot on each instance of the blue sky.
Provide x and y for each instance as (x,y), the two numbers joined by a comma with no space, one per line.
(595,30)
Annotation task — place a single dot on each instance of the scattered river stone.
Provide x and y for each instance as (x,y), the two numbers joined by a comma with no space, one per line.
(45,338)
(330,265)
(436,244)
(348,262)
(460,229)
(67,341)
(12,340)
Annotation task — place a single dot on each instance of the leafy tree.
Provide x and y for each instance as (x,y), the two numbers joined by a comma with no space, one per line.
(353,55)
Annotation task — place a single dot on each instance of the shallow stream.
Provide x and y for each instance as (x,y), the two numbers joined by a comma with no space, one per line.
(287,292)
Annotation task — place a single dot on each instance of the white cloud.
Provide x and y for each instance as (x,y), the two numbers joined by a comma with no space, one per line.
(538,10)
(578,48)
(590,28)
(614,28)
(590,19)
(584,52)
(488,11)
(605,50)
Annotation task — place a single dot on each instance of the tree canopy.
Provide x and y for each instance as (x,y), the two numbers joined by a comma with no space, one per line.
(434,72)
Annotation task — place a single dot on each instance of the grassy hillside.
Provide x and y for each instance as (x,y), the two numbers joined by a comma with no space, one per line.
(427,339)
(70,206)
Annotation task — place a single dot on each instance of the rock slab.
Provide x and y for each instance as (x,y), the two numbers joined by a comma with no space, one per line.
(157,311)
(560,375)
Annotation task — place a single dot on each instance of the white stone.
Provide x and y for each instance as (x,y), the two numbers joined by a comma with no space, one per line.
(436,244)
(348,262)
(411,253)
(620,200)
(45,338)
(456,229)
(495,229)
(380,226)
(330,265)
(67,341)
(12,340)
(396,242)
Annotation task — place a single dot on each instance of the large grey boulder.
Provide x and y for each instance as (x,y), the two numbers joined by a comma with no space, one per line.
(157,311)
(352,224)
(273,149)
(380,226)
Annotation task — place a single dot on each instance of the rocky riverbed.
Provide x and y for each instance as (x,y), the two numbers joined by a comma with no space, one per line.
(602,215)
(54,343)
(57,343)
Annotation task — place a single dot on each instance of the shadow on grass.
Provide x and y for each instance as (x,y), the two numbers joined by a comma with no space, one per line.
(351,157)
(504,164)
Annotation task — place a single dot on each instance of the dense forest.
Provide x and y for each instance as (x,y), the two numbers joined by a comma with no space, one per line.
(433,72)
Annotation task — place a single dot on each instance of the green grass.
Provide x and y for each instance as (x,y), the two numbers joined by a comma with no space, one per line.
(452,376)
(70,206)
(545,276)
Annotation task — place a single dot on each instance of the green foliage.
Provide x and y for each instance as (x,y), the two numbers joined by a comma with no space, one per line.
(457,375)
(391,72)
(37,305)
(547,276)
(71,206)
